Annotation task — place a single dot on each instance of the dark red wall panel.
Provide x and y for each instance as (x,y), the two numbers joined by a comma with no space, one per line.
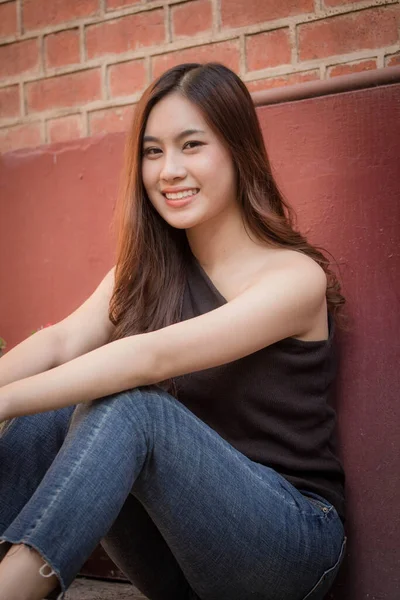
(337,160)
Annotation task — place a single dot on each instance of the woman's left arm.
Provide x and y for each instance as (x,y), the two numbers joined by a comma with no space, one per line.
(281,304)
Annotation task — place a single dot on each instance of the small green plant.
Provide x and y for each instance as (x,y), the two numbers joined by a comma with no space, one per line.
(42,327)
(2,345)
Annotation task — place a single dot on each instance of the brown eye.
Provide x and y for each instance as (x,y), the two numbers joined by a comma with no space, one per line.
(194,144)
(150,151)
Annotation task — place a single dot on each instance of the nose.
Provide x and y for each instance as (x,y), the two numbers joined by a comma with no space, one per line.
(172,167)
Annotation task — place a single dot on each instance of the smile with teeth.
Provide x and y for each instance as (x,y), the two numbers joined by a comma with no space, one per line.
(180,195)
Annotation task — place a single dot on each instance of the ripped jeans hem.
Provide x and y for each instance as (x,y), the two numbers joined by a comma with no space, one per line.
(55,594)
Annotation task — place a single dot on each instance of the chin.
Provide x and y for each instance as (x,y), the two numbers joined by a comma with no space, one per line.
(181,221)
(181,224)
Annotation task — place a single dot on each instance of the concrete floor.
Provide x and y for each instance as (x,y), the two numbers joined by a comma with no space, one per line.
(93,589)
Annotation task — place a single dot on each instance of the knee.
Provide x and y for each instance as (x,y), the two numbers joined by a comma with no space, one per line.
(146,403)
(160,413)
(150,400)
(142,404)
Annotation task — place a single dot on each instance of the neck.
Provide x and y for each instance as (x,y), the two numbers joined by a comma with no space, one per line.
(217,241)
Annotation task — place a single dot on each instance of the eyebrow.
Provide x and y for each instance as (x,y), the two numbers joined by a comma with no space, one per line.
(151,138)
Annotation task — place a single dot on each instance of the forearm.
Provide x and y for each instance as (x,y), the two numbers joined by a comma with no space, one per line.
(115,367)
(38,353)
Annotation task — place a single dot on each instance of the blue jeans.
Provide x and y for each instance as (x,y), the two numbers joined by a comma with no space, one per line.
(179,510)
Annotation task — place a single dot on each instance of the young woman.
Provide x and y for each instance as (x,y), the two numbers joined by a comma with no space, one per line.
(180,416)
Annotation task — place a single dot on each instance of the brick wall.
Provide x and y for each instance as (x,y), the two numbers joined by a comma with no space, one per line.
(75,68)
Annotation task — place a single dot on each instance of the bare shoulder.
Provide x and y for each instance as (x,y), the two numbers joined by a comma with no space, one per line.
(293,266)
(272,267)
(310,270)
(304,283)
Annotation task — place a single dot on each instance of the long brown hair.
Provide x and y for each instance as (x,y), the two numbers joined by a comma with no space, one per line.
(151,254)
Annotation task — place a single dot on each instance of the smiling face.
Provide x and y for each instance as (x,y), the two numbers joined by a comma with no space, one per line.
(187,171)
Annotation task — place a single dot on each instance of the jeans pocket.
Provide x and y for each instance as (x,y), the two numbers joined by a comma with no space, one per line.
(323,585)
(319,502)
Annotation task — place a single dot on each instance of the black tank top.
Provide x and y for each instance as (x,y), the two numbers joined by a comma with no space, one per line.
(273,405)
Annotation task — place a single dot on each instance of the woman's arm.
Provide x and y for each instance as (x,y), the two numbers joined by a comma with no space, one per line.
(103,371)
(281,304)
(36,354)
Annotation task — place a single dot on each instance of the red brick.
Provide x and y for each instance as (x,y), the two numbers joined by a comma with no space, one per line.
(127,78)
(65,128)
(65,90)
(62,48)
(226,53)
(18,58)
(268,49)
(283,80)
(22,136)
(9,102)
(392,60)
(367,29)
(40,13)
(113,4)
(237,13)
(191,18)
(347,69)
(127,33)
(110,119)
(8,19)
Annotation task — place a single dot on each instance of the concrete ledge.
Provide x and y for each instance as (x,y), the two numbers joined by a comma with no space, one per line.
(84,588)
(326,87)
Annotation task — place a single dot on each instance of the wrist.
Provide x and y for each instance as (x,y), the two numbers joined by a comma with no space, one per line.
(5,403)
